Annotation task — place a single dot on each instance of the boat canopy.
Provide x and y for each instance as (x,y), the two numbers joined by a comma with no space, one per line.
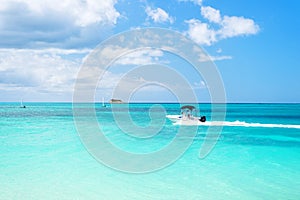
(191,108)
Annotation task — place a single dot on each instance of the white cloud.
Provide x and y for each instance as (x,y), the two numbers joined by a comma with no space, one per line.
(199,85)
(159,15)
(130,56)
(94,11)
(211,14)
(83,13)
(222,27)
(200,32)
(46,51)
(54,71)
(236,26)
(140,57)
(38,70)
(56,23)
(205,58)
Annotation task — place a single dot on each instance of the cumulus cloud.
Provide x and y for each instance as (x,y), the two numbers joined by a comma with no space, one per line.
(158,15)
(236,26)
(39,70)
(83,13)
(200,32)
(54,71)
(219,27)
(211,14)
(54,23)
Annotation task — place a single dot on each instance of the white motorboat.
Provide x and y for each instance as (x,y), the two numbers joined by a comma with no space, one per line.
(187,117)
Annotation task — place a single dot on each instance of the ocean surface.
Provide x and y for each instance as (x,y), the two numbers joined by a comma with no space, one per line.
(43,157)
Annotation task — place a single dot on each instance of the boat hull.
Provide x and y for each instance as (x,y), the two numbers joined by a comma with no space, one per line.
(192,121)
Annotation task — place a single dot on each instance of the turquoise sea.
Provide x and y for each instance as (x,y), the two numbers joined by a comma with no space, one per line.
(42,156)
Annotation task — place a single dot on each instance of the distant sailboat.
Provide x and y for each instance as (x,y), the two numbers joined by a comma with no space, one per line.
(22,106)
(103,105)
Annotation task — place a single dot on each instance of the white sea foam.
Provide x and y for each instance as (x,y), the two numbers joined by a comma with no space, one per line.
(235,123)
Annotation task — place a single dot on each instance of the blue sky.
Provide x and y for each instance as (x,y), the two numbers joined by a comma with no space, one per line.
(254,44)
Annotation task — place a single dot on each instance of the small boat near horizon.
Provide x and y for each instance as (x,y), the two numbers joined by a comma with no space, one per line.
(103,104)
(21,104)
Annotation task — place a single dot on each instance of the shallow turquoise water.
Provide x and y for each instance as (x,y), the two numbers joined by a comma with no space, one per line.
(42,157)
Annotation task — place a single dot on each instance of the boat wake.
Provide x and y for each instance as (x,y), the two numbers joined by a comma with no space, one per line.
(235,123)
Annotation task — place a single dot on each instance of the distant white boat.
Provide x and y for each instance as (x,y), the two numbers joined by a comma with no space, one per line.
(103,105)
(187,117)
(22,106)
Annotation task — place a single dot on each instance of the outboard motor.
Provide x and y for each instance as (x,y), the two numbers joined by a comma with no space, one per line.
(202,119)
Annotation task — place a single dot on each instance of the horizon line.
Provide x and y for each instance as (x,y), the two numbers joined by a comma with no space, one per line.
(152,102)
